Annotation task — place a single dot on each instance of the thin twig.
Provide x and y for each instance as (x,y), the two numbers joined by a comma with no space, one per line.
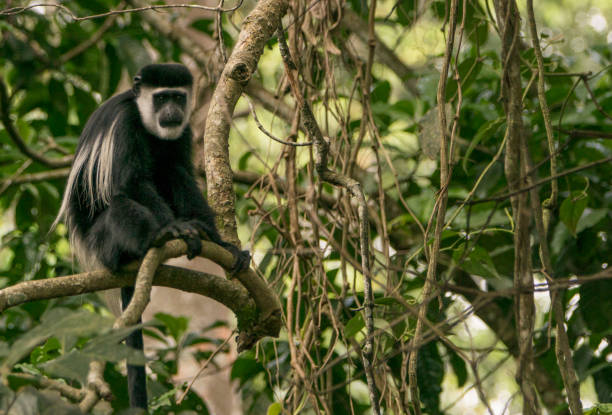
(204,366)
(5,117)
(585,80)
(219,17)
(542,220)
(63,388)
(269,134)
(445,176)
(321,148)
(584,134)
(93,39)
(17,10)
(541,182)
(552,201)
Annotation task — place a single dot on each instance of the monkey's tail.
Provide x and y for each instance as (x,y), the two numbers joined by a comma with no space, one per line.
(136,375)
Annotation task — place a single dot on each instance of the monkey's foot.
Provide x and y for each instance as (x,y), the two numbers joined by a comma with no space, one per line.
(242,259)
(181,230)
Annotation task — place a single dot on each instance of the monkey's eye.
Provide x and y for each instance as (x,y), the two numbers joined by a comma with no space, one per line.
(181,99)
(158,99)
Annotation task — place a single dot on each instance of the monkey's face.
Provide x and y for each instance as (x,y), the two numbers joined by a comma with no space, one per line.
(165,111)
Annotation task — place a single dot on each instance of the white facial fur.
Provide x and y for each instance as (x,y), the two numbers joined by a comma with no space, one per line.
(149,118)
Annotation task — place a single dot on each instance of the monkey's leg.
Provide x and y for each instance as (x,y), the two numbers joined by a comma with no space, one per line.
(136,375)
(122,233)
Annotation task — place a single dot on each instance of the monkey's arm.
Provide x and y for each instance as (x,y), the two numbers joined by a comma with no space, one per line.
(168,225)
(125,230)
(190,206)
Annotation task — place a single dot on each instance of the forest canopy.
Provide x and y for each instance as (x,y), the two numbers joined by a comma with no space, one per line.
(424,185)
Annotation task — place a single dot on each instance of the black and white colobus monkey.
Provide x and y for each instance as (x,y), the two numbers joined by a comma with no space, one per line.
(132,186)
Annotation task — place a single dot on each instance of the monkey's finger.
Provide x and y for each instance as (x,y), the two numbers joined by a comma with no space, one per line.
(167,233)
(202,228)
(194,245)
(242,260)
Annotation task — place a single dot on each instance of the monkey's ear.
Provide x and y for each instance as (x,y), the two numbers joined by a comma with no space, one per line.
(136,85)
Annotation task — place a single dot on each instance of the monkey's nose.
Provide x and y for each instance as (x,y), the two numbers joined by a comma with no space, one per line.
(171,118)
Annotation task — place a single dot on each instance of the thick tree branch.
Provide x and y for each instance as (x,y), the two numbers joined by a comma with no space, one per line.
(96,387)
(256,307)
(515,170)
(257,29)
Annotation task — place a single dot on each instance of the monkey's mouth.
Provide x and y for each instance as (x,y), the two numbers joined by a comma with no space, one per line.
(170,123)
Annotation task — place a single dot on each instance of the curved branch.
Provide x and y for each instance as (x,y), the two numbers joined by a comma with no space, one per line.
(72,393)
(257,28)
(256,307)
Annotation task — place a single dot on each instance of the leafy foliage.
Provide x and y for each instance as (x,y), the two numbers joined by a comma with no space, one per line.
(382,134)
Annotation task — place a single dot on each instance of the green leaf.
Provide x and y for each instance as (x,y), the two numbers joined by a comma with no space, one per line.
(176,326)
(571,210)
(595,305)
(7,256)
(590,218)
(382,324)
(109,347)
(459,367)
(406,12)
(468,72)
(485,132)
(354,325)
(245,367)
(114,69)
(605,408)
(74,365)
(477,262)
(204,25)
(381,92)
(57,115)
(388,301)
(37,97)
(244,160)
(275,409)
(45,352)
(58,322)
(85,105)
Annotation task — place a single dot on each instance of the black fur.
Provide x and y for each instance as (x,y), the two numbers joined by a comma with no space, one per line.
(153,186)
(165,74)
(150,194)
(136,375)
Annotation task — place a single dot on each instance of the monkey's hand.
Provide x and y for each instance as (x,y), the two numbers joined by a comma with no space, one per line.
(242,259)
(181,230)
